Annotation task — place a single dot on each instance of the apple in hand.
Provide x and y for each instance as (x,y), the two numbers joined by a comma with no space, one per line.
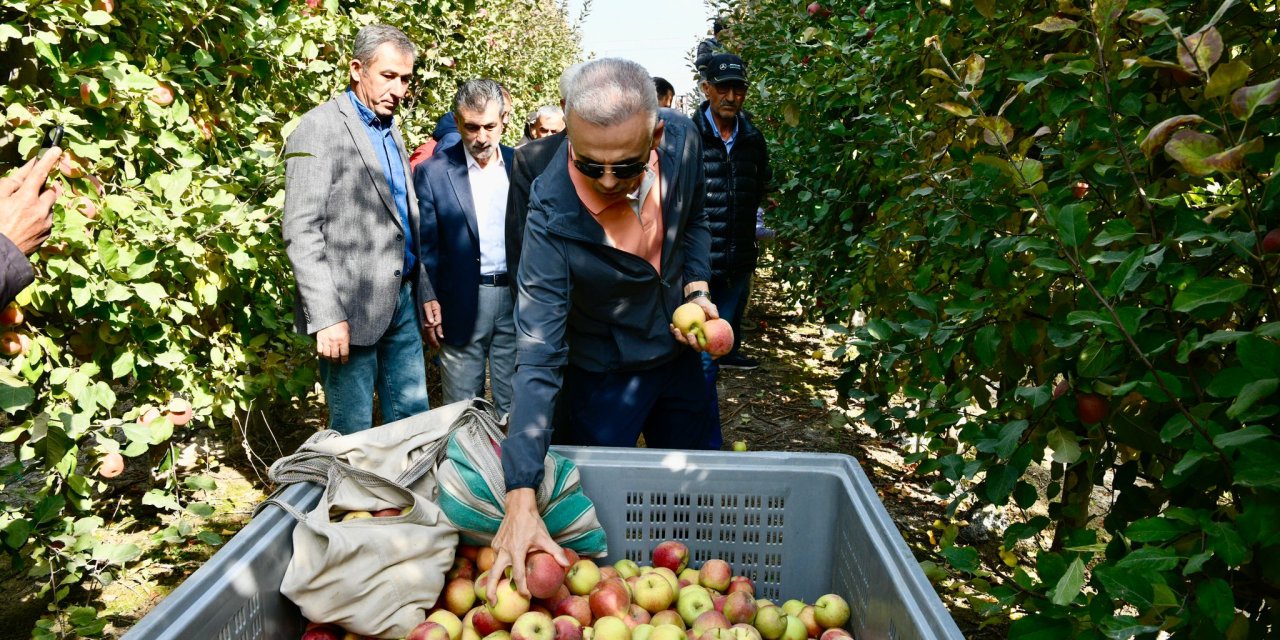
(688,317)
(672,554)
(831,611)
(718,337)
(543,575)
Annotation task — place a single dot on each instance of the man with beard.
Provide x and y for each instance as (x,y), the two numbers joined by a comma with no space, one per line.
(463,196)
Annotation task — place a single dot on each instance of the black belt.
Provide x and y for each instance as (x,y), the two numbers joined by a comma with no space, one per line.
(494,280)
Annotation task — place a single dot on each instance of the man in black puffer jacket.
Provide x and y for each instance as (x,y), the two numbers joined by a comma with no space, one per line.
(736,161)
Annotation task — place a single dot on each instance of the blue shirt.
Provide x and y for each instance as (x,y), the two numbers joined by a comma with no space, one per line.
(728,144)
(384,144)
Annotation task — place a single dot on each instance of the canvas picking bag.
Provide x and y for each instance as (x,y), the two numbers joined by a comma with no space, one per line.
(377,577)
(472,487)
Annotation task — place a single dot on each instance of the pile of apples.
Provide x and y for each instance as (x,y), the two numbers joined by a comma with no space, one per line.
(667,600)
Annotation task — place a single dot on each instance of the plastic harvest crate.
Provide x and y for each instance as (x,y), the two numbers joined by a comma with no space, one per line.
(799,524)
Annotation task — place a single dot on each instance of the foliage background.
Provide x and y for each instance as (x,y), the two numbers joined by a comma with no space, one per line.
(179,287)
(1041,206)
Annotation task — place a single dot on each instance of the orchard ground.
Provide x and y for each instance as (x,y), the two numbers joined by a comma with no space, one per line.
(787,404)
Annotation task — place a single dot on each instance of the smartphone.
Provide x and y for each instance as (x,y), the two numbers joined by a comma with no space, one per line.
(52,137)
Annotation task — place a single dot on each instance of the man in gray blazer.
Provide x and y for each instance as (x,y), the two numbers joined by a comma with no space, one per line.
(351,232)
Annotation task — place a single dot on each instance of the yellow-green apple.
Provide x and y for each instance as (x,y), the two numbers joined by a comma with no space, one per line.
(485,558)
(459,596)
(741,583)
(479,585)
(715,574)
(449,621)
(744,631)
(811,625)
(765,602)
(462,568)
(508,604)
(668,632)
(428,630)
(667,617)
(831,611)
(180,412)
(543,574)
(499,635)
(692,602)
(689,574)
(707,621)
(641,631)
(611,628)
(719,337)
(653,592)
(739,445)
(739,607)
(795,629)
(112,465)
(484,622)
(469,633)
(610,598)
(582,577)
(836,633)
(672,554)
(588,633)
(792,607)
(356,515)
(688,318)
(771,621)
(575,607)
(567,628)
(533,625)
(670,577)
(627,568)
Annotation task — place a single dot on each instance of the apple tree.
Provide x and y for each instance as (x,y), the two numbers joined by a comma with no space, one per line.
(1055,219)
(163,300)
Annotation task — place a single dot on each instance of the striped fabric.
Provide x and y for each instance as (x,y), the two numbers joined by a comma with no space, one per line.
(472,491)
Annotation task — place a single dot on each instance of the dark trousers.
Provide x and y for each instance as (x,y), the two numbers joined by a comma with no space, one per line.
(668,404)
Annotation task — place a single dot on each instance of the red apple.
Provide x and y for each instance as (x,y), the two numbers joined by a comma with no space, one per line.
(576,607)
(817,10)
(715,573)
(108,6)
(610,598)
(112,465)
(719,340)
(1090,407)
(12,344)
(462,568)
(323,632)
(162,95)
(1271,241)
(543,574)
(1080,190)
(180,413)
(428,630)
(567,628)
(383,513)
(70,165)
(12,315)
(671,554)
(740,606)
(85,207)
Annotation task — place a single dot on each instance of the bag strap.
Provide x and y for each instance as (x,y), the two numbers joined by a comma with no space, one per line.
(304,466)
(274,499)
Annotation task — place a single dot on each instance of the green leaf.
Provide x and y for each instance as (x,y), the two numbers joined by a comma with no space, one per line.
(1215,601)
(1052,265)
(201,483)
(986,342)
(1160,134)
(161,500)
(1149,559)
(1114,231)
(1227,78)
(116,553)
(1191,149)
(1246,100)
(1126,277)
(1225,542)
(1065,445)
(1249,396)
(122,365)
(1241,437)
(1069,585)
(204,510)
(209,537)
(1149,17)
(97,18)
(1209,291)
(1127,586)
(1156,529)
(1073,224)
(153,293)
(16,534)
(1041,628)
(15,397)
(962,558)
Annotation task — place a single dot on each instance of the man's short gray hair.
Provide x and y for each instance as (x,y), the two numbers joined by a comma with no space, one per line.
(475,95)
(545,111)
(370,37)
(567,75)
(610,91)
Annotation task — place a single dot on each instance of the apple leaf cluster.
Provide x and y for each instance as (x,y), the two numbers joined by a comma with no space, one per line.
(163,300)
(1039,228)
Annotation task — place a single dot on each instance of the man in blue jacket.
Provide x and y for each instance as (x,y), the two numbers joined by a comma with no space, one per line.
(616,239)
(462,194)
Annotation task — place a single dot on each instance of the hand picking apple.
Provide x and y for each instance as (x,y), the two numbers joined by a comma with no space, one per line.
(692,325)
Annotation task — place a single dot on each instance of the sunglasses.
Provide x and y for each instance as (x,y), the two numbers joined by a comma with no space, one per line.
(595,170)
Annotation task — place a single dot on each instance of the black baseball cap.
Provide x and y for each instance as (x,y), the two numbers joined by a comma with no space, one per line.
(726,67)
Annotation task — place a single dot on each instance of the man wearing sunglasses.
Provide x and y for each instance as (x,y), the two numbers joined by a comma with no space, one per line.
(615,240)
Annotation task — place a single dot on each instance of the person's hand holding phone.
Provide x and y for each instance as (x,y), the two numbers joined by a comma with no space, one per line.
(26,205)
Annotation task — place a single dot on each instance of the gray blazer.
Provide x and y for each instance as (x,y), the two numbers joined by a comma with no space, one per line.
(341,229)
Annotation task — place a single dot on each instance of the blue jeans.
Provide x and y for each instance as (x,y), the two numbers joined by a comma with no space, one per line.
(394,365)
(611,409)
(730,295)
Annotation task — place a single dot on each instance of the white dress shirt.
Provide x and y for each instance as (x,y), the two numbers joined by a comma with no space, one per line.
(489,187)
